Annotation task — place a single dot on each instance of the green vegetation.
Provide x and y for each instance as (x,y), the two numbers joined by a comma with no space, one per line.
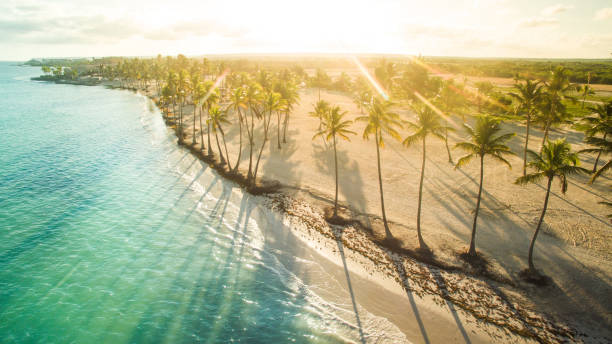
(259,95)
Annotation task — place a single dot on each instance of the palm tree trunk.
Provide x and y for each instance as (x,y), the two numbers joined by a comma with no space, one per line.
(336,169)
(526,145)
(210,152)
(546,127)
(380,185)
(450,158)
(221,158)
(535,235)
(229,165)
(235,169)
(251,145)
(472,251)
(278,129)
(285,125)
(266,128)
(201,132)
(421,241)
(598,155)
(193,138)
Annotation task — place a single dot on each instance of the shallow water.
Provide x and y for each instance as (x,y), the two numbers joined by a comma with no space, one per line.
(109,232)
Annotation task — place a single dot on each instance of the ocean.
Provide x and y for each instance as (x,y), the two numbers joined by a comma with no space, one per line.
(111,233)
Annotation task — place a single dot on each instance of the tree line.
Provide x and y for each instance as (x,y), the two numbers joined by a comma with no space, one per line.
(222,97)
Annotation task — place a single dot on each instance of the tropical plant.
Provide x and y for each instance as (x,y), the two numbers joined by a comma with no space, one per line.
(528,96)
(553,110)
(321,108)
(381,120)
(427,123)
(599,123)
(217,117)
(335,125)
(484,139)
(238,103)
(211,97)
(271,103)
(555,160)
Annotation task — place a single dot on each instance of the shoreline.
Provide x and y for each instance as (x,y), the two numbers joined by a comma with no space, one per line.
(475,296)
(491,304)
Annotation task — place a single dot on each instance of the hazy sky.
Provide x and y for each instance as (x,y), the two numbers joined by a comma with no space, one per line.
(507,28)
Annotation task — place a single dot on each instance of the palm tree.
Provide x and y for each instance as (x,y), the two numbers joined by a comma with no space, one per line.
(237,103)
(555,160)
(334,125)
(253,98)
(587,90)
(195,84)
(450,100)
(553,109)
(528,96)
(598,123)
(381,120)
(427,123)
(198,101)
(211,97)
(603,146)
(182,88)
(321,108)
(218,117)
(484,139)
(271,103)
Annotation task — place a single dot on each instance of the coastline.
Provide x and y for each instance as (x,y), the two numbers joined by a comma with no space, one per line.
(481,301)
(459,296)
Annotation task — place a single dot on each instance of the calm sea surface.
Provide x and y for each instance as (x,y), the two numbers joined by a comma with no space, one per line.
(111,233)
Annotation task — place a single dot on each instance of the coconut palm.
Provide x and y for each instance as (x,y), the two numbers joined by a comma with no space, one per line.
(335,125)
(600,123)
(182,89)
(321,108)
(218,117)
(271,103)
(238,103)
(198,102)
(557,90)
(195,83)
(528,96)
(381,120)
(484,140)
(427,123)
(555,160)
(602,146)
(211,97)
(253,97)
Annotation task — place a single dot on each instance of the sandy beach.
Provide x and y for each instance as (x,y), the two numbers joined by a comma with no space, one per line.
(574,250)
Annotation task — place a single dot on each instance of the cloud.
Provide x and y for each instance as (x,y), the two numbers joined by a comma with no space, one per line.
(604,14)
(538,22)
(556,9)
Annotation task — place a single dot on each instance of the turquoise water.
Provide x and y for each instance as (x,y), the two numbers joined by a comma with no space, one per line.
(110,233)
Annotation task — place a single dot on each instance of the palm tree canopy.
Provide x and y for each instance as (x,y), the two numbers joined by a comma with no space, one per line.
(380,118)
(600,122)
(321,109)
(335,125)
(528,95)
(217,117)
(427,122)
(556,160)
(484,139)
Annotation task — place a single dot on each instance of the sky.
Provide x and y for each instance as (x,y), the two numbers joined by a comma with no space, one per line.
(472,28)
